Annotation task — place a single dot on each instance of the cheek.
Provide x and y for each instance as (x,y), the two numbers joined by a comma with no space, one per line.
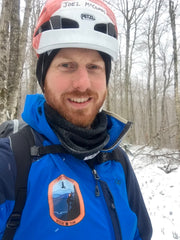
(57,83)
(99,85)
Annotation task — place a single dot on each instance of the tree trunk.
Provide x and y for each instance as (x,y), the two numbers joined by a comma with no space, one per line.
(18,43)
(13,74)
(175,58)
(4,53)
(127,70)
(149,100)
(158,5)
(32,83)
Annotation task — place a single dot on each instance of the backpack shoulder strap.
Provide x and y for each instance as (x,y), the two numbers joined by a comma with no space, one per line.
(21,143)
(117,155)
(120,155)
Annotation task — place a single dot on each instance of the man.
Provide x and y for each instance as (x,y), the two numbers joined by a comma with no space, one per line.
(88,190)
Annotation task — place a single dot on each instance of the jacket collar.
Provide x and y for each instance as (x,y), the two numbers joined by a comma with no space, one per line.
(34,116)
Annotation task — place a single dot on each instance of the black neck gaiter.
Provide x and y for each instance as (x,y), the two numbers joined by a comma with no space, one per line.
(80,142)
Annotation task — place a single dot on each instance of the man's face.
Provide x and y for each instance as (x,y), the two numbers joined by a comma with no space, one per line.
(75,85)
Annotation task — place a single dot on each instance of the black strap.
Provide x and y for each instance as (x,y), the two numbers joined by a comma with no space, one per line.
(37,151)
(21,142)
(117,155)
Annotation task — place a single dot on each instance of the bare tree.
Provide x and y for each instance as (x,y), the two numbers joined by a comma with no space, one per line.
(18,43)
(132,14)
(23,55)
(175,61)
(32,83)
(13,76)
(164,125)
(149,99)
(4,50)
(157,8)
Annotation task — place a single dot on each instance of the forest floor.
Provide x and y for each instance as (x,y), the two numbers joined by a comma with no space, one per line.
(158,173)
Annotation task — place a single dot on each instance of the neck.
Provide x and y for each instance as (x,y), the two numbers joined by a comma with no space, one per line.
(78,141)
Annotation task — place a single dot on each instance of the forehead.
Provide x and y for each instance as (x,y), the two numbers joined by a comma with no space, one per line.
(79,54)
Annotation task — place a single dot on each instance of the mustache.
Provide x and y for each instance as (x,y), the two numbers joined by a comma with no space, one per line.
(76,93)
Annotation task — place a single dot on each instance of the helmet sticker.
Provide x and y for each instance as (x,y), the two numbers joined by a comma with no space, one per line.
(83,4)
(65,201)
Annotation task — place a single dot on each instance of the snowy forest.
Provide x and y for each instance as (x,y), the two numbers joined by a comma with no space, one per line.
(144,88)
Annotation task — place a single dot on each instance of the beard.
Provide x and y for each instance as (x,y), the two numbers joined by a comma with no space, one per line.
(80,117)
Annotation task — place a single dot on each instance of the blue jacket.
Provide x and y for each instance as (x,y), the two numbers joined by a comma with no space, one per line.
(66,199)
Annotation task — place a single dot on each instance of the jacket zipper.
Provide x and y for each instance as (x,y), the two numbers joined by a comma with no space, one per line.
(97,178)
(109,202)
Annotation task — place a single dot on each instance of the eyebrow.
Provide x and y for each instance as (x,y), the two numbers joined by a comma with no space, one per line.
(66,58)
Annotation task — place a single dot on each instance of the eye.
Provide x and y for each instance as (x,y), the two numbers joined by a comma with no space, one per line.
(95,67)
(67,66)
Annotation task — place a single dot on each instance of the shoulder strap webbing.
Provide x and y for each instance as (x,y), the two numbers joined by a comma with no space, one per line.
(21,142)
(37,151)
(117,155)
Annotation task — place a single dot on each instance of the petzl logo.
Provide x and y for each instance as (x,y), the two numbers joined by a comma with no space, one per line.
(85,16)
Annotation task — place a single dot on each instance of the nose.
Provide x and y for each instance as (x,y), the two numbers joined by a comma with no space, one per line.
(81,79)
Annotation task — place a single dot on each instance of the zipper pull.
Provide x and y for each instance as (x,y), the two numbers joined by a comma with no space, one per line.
(96,177)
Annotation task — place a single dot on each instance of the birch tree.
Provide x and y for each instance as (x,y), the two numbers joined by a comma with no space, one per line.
(32,83)
(18,43)
(4,50)
(13,76)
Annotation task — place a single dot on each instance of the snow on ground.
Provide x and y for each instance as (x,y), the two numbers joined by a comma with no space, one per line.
(161,191)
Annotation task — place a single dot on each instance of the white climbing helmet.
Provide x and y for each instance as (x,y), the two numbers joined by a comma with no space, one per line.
(87,24)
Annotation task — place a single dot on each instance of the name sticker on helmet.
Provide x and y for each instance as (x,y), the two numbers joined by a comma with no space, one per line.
(83,4)
(70,4)
(85,16)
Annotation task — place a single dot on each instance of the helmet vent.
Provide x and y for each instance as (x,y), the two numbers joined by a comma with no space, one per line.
(68,23)
(56,22)
(106,29)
